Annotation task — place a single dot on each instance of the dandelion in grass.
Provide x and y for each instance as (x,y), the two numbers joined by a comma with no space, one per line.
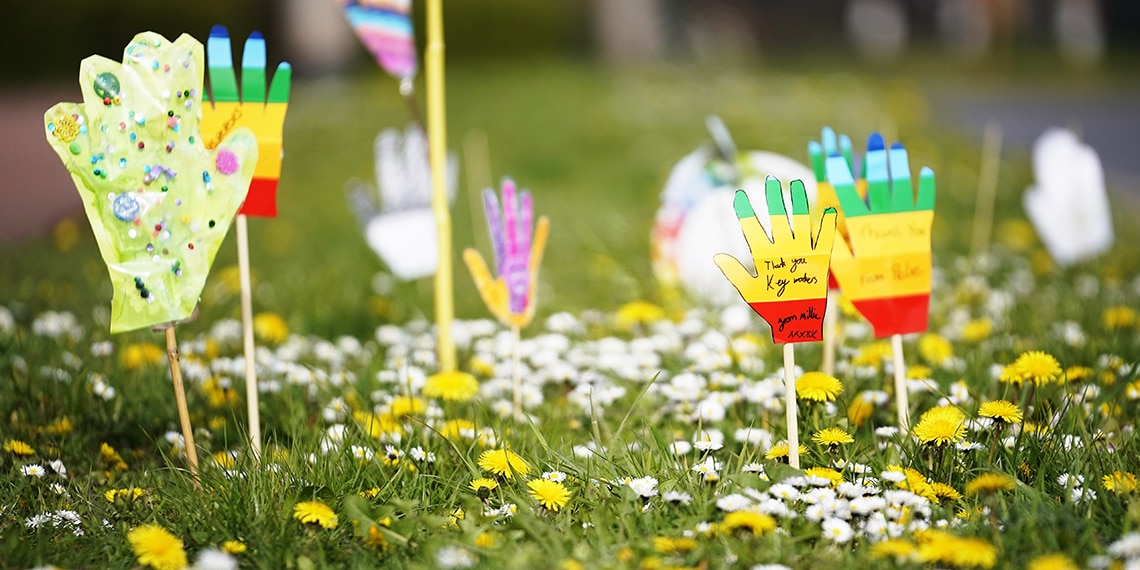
(1034,367)
(1120,317)
(1057,561)
(750,522)
(234,547)
(406,406)
(1120,482)
(154,546)
(941,426)
(130,495)
(315,513)
(18,448)
(977,330)
(485,540)
(638,313)
(454,386)
(832,437)
(945,492)
(779,451)
(550,495)
(1002,412)
(504,463)
(898,549)
(673,545)
(370,493)
(990,483)
(941,547)
(457,429)
(136,356)
(270,328)
(818,387)
(823,476)
(1078,373)
(935,349)
(483,487)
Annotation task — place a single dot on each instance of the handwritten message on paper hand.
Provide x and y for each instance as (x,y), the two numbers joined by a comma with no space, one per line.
(262,113)
(158,201)
(789,290)
(512,295)
(885,269)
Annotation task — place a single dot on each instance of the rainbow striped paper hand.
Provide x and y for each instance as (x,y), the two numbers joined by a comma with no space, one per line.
(158,201)
(885,269)
(251,108)
(385,28)
(789,290)
(512,295)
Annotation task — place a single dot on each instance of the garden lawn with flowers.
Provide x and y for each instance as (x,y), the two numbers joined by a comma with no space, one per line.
(653,431)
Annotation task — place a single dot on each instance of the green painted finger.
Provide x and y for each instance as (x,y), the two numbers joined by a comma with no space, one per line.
(815,153)
(742,205)
(279,87)
(925,189)
(253,69)
(902,196)
(845,150)
(799,198)
(754,233)
(839,174)
(220,63)
(774,196)
(877,175)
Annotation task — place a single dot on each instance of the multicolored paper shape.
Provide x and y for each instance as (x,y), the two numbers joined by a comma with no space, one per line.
(789,290)
(1069,206)
(402,229)
(385,28)
(251,108)
(158,201)
(886,268)
(512,296)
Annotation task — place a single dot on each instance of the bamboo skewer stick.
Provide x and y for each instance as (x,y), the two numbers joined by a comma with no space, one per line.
(902,399)
(180,399)
(791,405)
(437,153)
(251,392)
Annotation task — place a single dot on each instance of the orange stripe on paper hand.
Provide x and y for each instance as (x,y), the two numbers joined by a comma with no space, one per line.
(793,321)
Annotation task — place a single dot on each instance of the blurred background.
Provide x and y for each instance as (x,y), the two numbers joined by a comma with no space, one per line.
(586,98)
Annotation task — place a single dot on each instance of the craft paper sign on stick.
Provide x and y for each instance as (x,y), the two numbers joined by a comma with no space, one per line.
(1069,206)
(252,107)
(885,269)
(789,290)
(158,201)
(385,28)
(512,294)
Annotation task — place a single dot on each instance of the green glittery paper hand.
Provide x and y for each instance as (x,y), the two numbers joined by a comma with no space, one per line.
(159,203)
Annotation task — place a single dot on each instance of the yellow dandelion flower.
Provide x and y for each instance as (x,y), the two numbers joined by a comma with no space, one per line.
(860,408)
(638,313)
(571,564)
(504,463)
(375,538)
(61,426)
(940,426)
(780,450)
(140,355)
(1119,317)
(234,547)
(315,512)
(1120,482)
(1078,373)
(1033,366)
(673,545)
(873,354)
(407,406)
(458,429)
(218,395)
(818,387)
(483,487)
(987,483)
(17,447)
(977,330)
(485,540)
(455,386)
(832,437)
(899,549)
(919,372)
(270,328)
(754,522)
(377,425)
(915,482)
(370,493)
(225,459)
(1017,234)
(830,474)
(935,349)
(126,494)
(1056,561)
(549,494)
(943,547)
(945,492)
(154,546)
(1001,411)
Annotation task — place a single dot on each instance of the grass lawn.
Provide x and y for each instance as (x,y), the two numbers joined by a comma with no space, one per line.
(652,440)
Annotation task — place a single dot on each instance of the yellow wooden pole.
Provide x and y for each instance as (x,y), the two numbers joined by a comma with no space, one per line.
(437,156)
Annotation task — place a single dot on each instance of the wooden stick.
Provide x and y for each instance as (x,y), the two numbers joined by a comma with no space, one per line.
(180,399)
(251,393)
(987,189)
(790,401)
(902,398)
(830,334)
(516,371)
(437,153)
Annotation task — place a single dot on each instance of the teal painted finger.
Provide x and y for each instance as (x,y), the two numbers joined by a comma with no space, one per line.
(902,195)
(253,69)
(799,198)
(925,189)
(845,150)
(742,206)
(827,139)
(774,196)
(815,153)
(282,80)
(840,177)
(878,176)
(220,63)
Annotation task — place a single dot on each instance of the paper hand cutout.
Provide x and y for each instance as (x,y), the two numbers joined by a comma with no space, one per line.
(251,109)
(402,230)
(385,28)
(158,201)
(512,295)
(1069,206)
(885,270)
(825,192)
(790,288)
